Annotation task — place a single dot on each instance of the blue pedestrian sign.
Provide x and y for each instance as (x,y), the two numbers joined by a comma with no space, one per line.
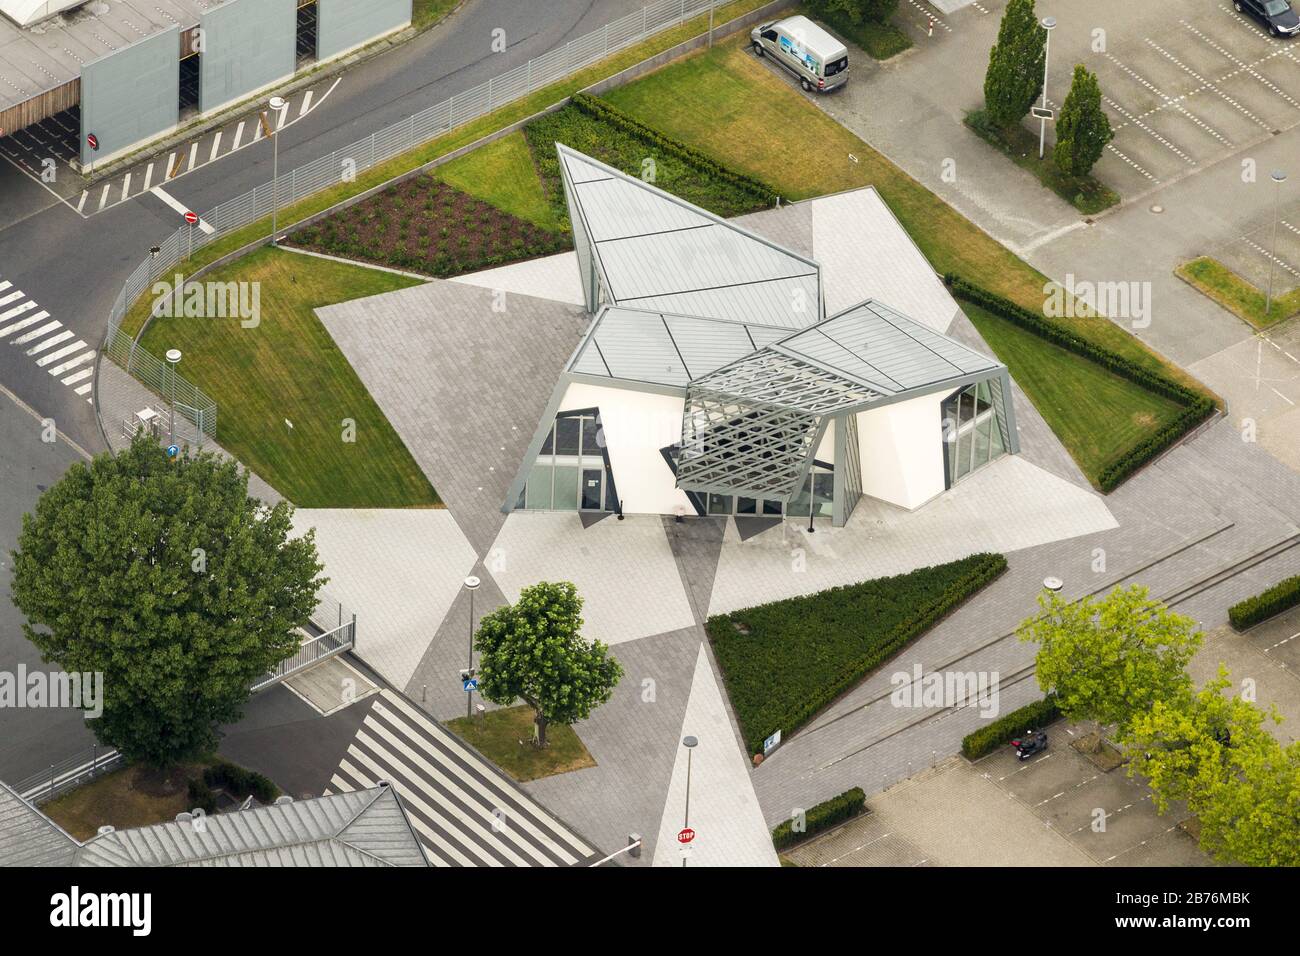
(173,451)
(469,684)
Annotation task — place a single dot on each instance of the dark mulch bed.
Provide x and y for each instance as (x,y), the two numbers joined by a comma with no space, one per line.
(429,227)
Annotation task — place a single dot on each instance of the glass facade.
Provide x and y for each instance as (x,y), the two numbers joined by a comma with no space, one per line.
(974,430)
(570,472)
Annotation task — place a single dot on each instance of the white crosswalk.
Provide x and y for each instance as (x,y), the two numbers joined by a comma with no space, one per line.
(464,811)
(58,350)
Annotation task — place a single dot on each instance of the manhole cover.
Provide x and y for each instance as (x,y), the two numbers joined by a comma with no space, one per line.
(1157,209)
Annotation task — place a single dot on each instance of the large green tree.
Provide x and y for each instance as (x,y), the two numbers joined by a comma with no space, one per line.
(1082,129)
(1212,752)
(533,650)
(164,576)
(1109,660)
(1015,72)
(855,10)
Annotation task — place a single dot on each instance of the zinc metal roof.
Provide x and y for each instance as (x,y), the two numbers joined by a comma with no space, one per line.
(28,837)
(362,827)
(662,348)
(51,52)
(873,345)
(657,252)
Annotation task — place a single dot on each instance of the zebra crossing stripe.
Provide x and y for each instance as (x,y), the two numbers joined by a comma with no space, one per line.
(506,794)
(42,331)
(79,360)
(55,356)
(52,341)
(417,770)
(11,297)
(78,376)
(17,326)
(548,850)
(447,852)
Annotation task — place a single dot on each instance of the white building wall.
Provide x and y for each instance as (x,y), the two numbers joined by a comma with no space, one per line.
(902,451)
(826,450)
(636,425)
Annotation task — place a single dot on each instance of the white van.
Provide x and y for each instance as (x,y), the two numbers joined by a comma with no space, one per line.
(820,61)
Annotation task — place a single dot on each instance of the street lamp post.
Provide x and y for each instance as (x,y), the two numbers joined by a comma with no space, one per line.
(1049,24)
(811,529)
(277,103)
(689,743)
(1278,177)
(471,585)
(173,359)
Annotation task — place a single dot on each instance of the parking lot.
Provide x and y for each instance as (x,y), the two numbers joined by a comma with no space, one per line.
(1000,811)
(1207,85)
(1263,247)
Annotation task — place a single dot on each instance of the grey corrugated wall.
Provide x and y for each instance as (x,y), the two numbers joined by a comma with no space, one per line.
(348,23)
(247,45)
(131,95)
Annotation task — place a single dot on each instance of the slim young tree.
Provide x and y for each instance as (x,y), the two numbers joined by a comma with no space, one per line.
(1015,72)
(169,580)
(1083,129)
(533,651)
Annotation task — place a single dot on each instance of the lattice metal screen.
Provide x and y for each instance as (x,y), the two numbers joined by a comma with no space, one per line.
(752,428)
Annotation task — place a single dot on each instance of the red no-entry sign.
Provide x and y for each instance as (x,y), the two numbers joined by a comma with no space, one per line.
(92,141)
(685,835)
(192,218)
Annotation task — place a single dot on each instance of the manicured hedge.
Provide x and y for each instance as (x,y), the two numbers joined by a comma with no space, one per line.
(821,817)
(600,130)
(783,662)
(239,782)
(1196,407)
(1280,597)
(1003,730)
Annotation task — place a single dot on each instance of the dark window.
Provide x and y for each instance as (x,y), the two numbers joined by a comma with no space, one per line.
(590,443)
(838,66)
(566,436)
(769,35)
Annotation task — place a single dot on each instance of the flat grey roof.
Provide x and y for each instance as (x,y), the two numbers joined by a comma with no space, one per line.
(656,252)
(875,346)
(52,52)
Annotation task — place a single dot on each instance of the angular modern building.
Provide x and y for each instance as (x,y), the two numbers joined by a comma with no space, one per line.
(712,380)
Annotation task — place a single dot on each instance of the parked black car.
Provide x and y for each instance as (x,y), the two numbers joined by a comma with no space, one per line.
(1276,15)
(1030,743)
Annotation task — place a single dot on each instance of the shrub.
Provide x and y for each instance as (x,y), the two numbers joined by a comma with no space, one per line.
(821,817)
(1280,597)
(783,662)
(240,782)
(202,797)
(1003,730)
(601,130)
(1196,407)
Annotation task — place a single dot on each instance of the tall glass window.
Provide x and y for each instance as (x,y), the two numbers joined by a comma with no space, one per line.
(570,473)
(973,428)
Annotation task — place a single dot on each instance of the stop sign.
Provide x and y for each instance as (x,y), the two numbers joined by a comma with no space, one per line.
(192,218)
(685,835)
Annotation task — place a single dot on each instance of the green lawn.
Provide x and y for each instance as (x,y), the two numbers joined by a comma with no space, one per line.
(747,105)
(1212,278)
(784,662)
(503,174)
(425,13)
(288,368)
(1097,415)
(505,737)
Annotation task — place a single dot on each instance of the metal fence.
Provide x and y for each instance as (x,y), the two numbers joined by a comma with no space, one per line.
(68,774)
(189,416)
(401,136)
(312,651)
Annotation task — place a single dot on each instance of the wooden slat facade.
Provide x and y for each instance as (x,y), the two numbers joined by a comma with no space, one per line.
(42,106)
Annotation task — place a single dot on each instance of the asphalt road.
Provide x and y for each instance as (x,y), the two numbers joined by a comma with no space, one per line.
(74,267)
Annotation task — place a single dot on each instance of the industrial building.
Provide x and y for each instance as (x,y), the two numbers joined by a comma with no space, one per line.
(713,380)
(108,76)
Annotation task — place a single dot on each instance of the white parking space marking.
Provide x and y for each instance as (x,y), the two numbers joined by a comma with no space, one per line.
(306,105)
(1134,121)
(239,135)
(126,187)
(194,154)
(148,178)
(216,146)
(82,205)
(103,197)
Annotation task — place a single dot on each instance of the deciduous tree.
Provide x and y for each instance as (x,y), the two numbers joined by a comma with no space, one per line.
(164,576)
(533,650)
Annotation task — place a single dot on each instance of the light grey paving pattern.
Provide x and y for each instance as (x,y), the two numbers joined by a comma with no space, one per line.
(624,570)
(398,570)
(462,382)
(1007,506)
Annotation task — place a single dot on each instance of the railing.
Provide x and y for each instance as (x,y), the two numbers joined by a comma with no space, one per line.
(436,120)
(312,651)
(68,774)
